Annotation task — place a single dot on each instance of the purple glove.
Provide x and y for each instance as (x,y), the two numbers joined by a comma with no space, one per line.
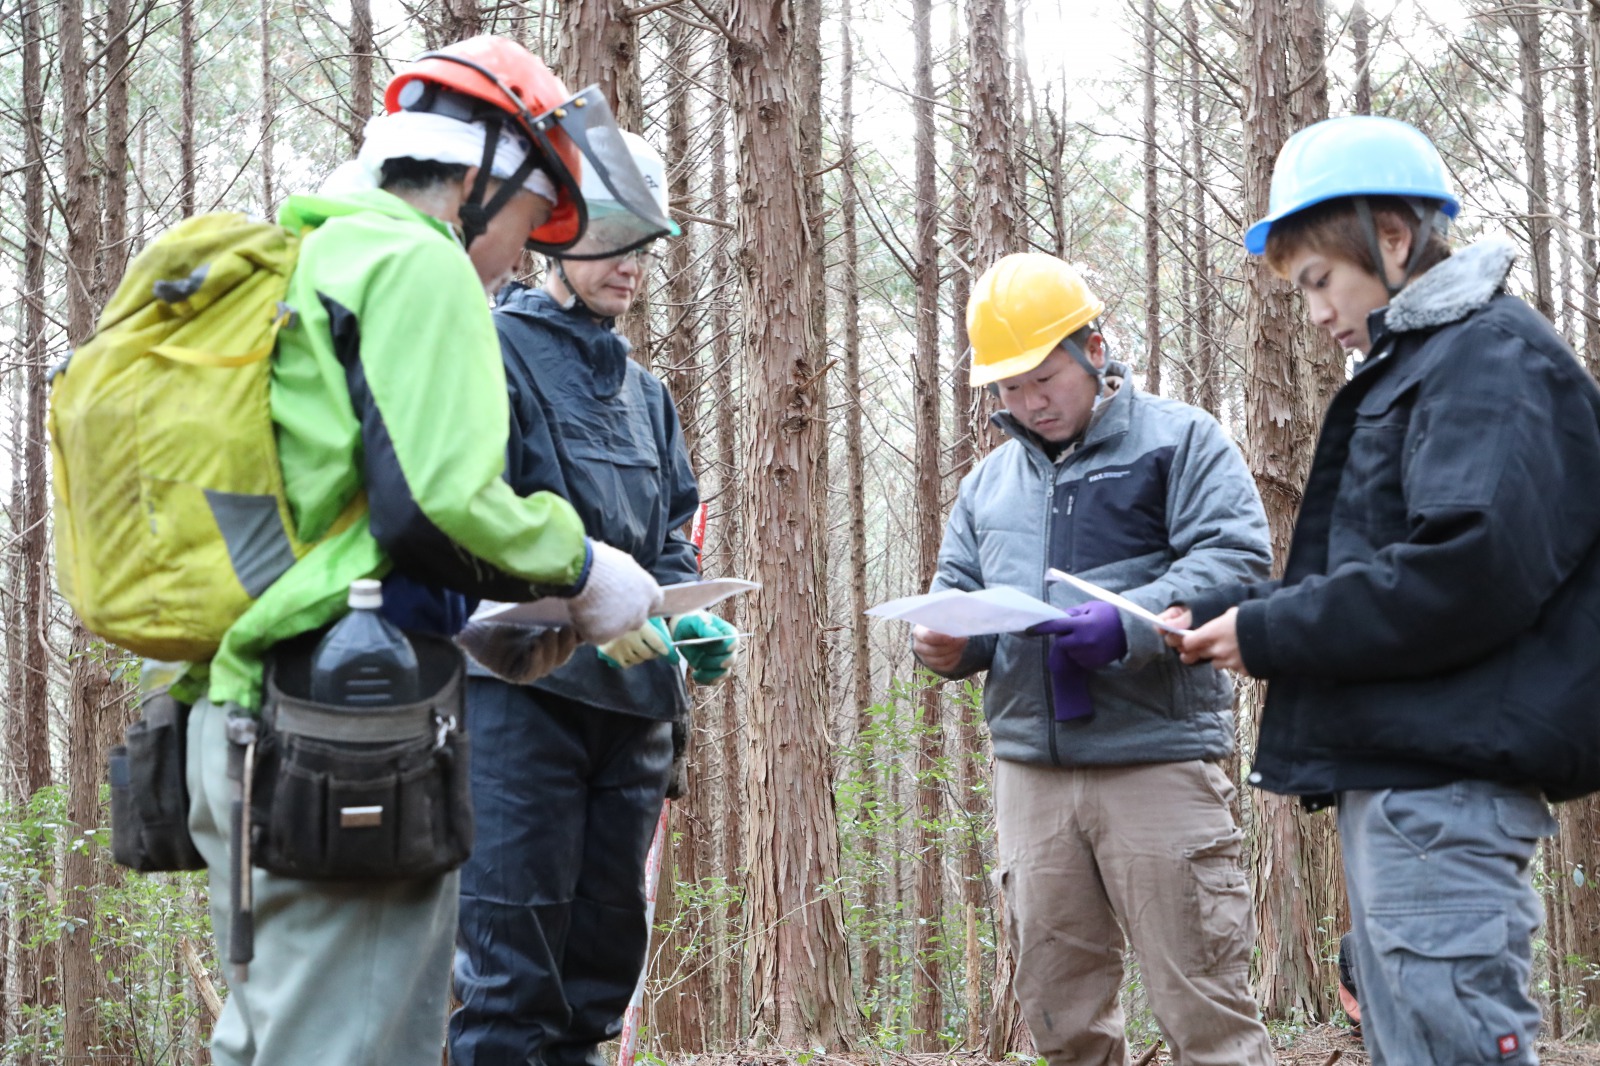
(1091,634)
(1069,683)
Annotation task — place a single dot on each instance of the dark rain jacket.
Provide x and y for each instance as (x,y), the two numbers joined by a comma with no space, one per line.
(1156,503)
(595,427)
(1439,616)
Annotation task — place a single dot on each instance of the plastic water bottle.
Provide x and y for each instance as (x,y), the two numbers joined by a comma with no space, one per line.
(365,661)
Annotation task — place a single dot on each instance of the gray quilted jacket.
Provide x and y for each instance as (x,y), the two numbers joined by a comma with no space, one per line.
(1155,503)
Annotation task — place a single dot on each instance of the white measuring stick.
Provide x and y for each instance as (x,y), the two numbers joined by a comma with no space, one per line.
(709,640)
(1112,598)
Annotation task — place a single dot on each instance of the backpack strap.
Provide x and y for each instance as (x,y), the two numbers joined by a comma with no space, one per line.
(200,357)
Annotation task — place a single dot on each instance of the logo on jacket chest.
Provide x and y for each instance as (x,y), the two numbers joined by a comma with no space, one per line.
(1111,514)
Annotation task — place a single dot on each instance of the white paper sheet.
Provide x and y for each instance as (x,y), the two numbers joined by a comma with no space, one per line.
(1112,598)
(970,614)
(675,599)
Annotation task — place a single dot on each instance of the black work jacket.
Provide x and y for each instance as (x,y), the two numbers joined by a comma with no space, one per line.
(594,426)
(1439,614)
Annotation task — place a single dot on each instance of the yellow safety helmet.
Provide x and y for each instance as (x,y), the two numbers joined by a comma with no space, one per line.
(1021,308)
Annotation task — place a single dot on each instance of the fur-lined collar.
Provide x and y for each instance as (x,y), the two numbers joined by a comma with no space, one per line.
(1454,288)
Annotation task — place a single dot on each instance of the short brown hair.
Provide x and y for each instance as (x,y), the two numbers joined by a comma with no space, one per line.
(1333,228)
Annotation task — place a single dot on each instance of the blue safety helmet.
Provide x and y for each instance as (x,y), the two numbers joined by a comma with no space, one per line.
(1362,155)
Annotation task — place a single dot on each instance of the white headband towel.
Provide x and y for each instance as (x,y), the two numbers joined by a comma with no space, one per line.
(438,139)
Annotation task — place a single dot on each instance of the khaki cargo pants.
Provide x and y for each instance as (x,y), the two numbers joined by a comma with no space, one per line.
(1090,853)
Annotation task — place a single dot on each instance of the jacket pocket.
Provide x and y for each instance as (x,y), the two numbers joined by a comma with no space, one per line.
(620,488)
(1461,982)
(1371,491)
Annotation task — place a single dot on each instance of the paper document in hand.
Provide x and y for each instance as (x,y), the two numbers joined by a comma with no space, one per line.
(1112,598)
(675,600)
(970,614)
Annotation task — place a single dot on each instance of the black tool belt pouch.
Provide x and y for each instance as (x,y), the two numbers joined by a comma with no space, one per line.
(362,793)
(149,794)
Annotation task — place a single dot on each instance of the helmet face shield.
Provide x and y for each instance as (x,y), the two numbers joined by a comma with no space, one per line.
(620,212)
(577,138)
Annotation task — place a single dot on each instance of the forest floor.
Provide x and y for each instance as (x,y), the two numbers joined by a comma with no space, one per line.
(1321,1046)
(1316,1047)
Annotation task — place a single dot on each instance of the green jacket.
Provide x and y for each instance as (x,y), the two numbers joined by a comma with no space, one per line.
(389,381)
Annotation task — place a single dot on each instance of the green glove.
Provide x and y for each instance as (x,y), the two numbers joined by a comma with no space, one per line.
(709,661)
(649,641)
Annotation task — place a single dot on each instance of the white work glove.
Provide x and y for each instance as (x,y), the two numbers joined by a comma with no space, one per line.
(649,641)
(518,653)
(618,597)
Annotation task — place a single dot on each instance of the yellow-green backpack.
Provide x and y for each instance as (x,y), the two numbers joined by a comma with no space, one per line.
(170,513)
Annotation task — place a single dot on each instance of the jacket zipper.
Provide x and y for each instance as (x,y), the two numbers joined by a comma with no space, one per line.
(1044,657)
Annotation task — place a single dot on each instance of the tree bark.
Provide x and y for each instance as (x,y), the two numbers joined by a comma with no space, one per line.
(680,1012)
(1152,205)
(677,1006)
(992,117)
(927,1007)
(855,465)
(1529,68)
(1208,386)
(268,111)
(1183,240)
(798,960)
(1360,32)
(808,88)
(1297,880)
(731,980)
(31,986)
(963,401)
(28,736)
(187,162)
(600,45)
(682,372)
(114,248)
(994,101)
(1589,263)
(1577,874)
(361,52)
(82,979)
(969,747)
(448,21)
(95,703)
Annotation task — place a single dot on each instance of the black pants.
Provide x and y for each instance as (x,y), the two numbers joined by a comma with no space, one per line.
(552,935)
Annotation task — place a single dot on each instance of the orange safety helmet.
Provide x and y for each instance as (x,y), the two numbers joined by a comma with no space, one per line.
(486,79)
(509,78)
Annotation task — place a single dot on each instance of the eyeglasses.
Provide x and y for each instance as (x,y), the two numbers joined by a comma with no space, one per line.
(647,256)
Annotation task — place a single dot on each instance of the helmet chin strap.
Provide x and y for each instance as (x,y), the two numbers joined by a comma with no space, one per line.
(474,213)
(574,302)
(1427,220)
(1081,357)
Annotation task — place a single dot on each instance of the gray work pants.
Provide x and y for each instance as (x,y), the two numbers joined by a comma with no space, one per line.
(345,973)
(1091,852)
(1443,910)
